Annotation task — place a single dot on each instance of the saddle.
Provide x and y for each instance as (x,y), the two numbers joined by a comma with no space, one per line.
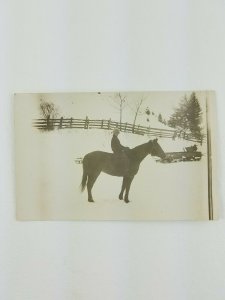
(120,161)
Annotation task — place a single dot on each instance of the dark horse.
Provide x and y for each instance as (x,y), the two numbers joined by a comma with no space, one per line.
(96,162)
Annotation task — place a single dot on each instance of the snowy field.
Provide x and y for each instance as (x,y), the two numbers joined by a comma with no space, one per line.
(48,186)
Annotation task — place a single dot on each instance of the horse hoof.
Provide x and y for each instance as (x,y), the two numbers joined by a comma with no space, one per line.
(121,197)
(126,200)
(90,200)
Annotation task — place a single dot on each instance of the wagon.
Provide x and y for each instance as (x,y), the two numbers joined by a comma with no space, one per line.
(181,156)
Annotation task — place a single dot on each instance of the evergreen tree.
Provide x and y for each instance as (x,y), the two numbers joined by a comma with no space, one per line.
(147,111)
(160,119)
(194,114)
(188,116)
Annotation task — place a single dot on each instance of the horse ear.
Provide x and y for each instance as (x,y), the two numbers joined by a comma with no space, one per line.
(156,140)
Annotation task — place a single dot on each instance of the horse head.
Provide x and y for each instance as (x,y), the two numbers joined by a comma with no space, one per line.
(155,149)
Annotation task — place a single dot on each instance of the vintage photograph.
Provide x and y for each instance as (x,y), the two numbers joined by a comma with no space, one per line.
(115,156)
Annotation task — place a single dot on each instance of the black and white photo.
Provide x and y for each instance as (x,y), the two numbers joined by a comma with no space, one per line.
(115,156)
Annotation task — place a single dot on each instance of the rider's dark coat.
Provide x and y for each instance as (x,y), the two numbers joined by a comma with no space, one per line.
(116,146)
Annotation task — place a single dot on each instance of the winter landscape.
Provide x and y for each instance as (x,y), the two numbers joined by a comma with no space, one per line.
(55,131)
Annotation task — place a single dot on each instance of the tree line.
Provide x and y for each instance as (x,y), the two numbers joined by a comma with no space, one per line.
(187,115)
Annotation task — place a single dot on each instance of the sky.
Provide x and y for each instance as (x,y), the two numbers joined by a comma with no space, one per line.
(105,105)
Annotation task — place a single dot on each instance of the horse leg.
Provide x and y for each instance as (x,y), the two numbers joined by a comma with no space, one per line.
(91,180)
(128,181)
(123,188)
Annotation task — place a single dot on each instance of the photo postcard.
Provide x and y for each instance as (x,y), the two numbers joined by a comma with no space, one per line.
(133,156)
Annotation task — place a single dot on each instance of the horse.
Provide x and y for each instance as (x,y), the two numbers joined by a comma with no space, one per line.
(98,161)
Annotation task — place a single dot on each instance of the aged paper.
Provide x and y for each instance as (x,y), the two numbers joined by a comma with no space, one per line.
(115,156)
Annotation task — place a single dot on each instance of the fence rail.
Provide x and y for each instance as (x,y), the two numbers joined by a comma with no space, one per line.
(71,123)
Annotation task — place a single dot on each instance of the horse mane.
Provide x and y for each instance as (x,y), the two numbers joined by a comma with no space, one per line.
(139,147)
(139,152)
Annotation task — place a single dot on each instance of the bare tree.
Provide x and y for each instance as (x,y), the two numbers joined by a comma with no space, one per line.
(48,109)
(136,108)
(118,102)
(121,102)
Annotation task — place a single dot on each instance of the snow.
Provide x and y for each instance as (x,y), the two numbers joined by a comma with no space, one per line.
(96,139)
(159,191)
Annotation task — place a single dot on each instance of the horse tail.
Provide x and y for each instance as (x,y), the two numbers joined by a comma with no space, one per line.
(84,178)
(84,181)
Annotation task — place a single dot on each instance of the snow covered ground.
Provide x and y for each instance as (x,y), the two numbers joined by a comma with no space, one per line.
(48,185)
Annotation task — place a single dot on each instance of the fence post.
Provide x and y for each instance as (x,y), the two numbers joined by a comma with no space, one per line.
(174,136)
(138,129)
(86,123)
(71,122)
(125,129)
(109,123)
(61,122)
(48,122)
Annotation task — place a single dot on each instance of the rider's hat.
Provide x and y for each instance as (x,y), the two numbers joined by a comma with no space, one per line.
(116,131)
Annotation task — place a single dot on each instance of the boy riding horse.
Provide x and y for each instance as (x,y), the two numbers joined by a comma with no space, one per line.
(120,152)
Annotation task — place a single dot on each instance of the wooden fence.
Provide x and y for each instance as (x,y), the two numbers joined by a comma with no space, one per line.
(71,123)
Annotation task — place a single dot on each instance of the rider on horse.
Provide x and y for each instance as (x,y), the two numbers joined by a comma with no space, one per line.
(119,150)
(115,143)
